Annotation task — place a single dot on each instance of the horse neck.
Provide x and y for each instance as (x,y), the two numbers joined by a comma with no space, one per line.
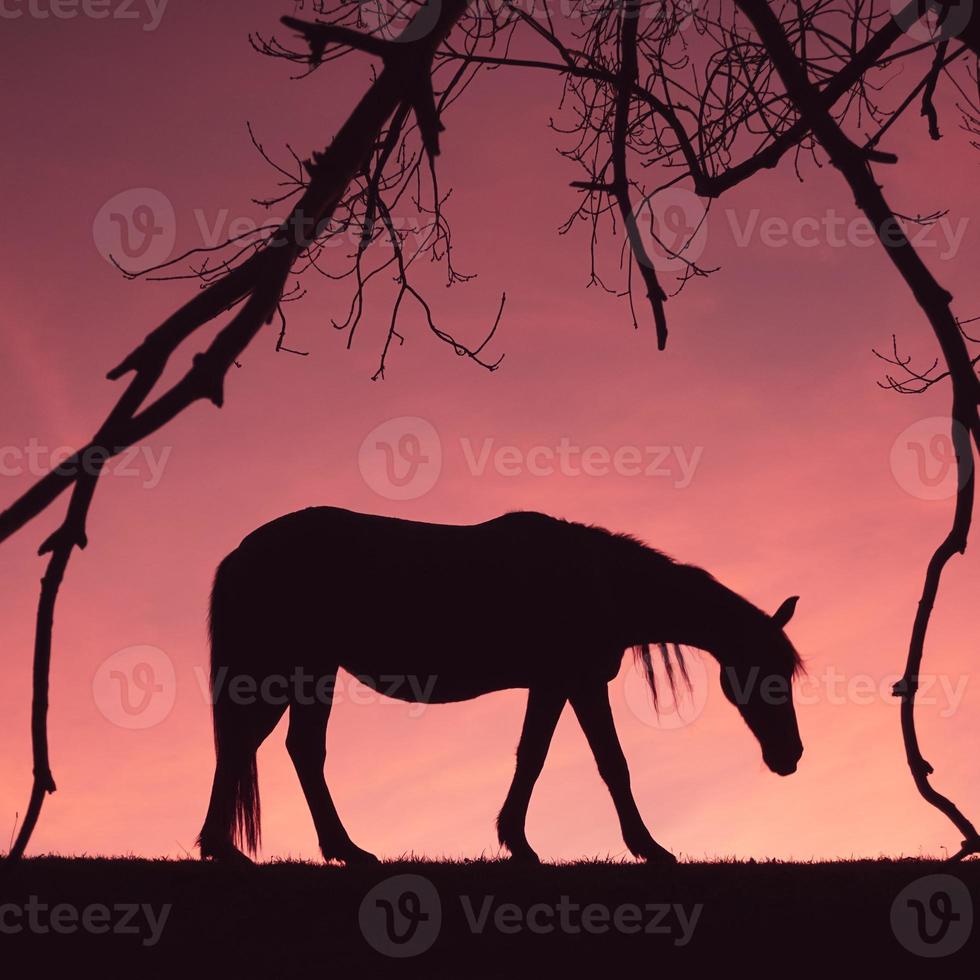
(694,609)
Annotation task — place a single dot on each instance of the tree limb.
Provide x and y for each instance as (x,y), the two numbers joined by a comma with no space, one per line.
(935,303)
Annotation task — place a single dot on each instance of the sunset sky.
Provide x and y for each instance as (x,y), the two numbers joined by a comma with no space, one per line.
(770,457)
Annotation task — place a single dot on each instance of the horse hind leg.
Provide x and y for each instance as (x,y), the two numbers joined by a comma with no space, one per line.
(306,742)
(544,708)
(233,812)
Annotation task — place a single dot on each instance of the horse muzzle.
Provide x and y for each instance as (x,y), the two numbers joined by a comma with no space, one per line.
(784,766)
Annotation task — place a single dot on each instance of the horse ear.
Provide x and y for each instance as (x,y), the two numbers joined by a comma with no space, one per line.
(785,612)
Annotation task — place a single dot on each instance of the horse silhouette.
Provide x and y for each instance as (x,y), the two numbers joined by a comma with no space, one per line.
(522,601)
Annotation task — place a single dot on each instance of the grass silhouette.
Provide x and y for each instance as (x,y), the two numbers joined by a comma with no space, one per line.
(495,918)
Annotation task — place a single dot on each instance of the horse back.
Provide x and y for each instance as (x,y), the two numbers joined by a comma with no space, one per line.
(500,604)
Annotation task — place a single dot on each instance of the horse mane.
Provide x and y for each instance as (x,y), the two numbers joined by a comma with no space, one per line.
(633,550)
(642,655)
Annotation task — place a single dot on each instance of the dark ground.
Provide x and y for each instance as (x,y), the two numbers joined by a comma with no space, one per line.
(289,920)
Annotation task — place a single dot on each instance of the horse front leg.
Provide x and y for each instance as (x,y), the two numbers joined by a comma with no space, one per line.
(544,707)
(306,744)
(591,706)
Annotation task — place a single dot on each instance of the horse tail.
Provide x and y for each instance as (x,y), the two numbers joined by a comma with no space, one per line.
(642,654)
(234,744)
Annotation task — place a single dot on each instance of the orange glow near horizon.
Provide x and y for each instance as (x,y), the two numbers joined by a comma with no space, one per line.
(770,457)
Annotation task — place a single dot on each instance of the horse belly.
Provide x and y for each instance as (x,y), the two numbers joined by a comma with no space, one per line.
(440,671)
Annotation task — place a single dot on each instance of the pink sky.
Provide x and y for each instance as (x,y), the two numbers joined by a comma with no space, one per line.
(768,384)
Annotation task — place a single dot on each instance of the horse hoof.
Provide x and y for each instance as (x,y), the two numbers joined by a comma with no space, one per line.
(660,858)
(357,856)
(228,856)
(351,855)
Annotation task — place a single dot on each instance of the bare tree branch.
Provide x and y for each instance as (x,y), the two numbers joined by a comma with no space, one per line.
(260,282)
(935,303)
